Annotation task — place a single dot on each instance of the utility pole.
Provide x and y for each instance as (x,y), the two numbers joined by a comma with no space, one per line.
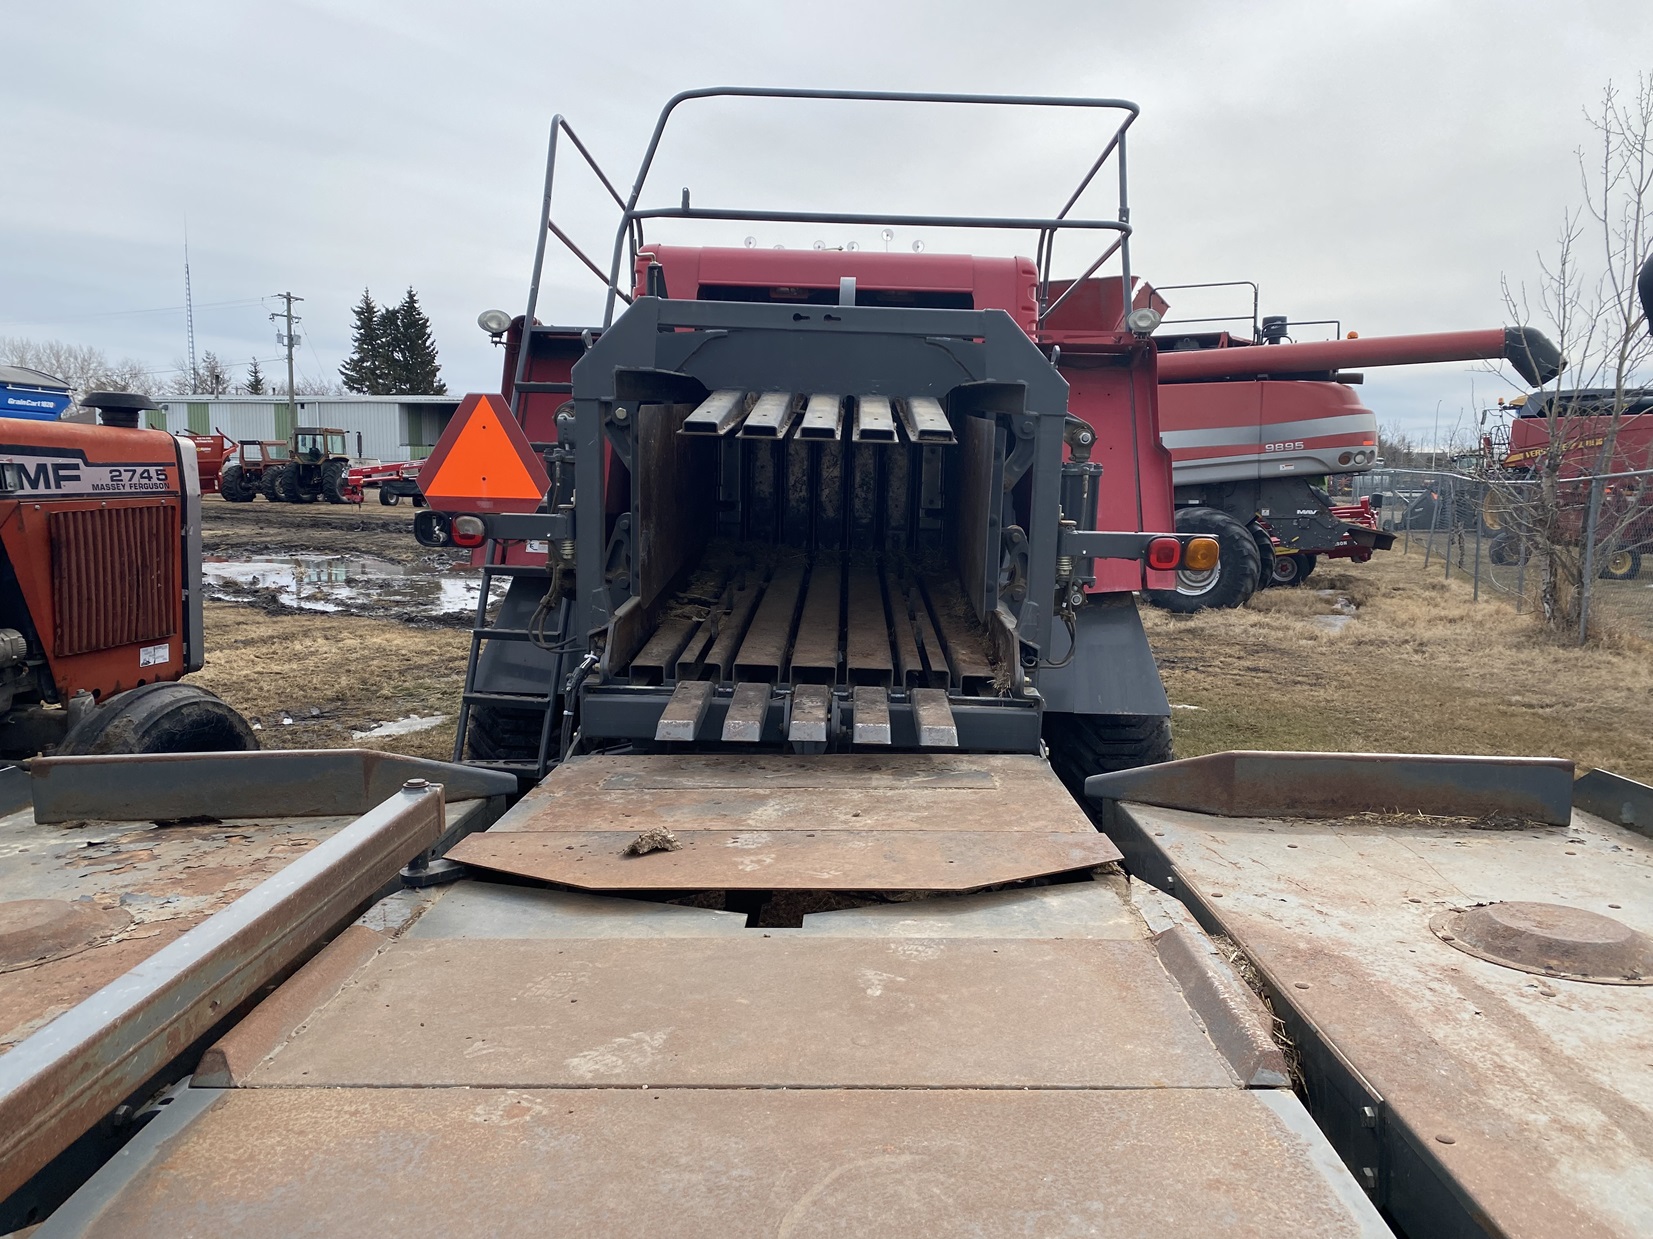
(290,341)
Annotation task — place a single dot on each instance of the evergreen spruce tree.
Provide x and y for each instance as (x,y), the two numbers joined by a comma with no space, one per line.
(255,379)
(411,355)
(365,371)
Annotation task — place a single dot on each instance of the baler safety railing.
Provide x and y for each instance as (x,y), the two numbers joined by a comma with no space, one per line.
(630,230)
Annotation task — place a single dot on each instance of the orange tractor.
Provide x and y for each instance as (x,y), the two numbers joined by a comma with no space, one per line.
(100,589)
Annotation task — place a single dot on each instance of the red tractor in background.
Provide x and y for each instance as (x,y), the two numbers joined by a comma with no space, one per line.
(1255,423)
(100,589)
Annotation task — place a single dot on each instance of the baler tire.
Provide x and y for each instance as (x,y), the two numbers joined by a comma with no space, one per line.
(1085,744)
(169,717)
(335,476)
(1231,583)
(233,488)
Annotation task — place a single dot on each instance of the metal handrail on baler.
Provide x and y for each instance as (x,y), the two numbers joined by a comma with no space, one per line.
(632,216)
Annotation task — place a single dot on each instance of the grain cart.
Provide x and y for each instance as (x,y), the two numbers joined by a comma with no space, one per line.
(722,989)
(1254,423)
(100,593)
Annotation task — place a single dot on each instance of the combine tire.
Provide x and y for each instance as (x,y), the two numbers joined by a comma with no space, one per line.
(335,476)
(505,733)
(1265,555)
(1506,549)
(1293,569)
(1085,744)
(233,487)
(1622,566)
(1231,582)
(160,718)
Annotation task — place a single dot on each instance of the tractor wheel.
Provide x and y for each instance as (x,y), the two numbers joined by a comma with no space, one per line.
(1293,569)
(1622,566)
(1231,582)
(505,733)
(268,483)
(1265,555)
(233,487)
(335,476)
(160,718)
(1085,744)
(389,497)
(286,484)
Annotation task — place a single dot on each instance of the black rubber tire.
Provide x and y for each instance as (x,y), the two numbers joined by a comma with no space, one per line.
(269,483)
(1231,582)
(1505,550)
(231,486)
(1085,744)
(1265,556)
(335,475)
(1293,569)
(161,718)
(505,733)
(389,497)
(286,484)
(1621,566)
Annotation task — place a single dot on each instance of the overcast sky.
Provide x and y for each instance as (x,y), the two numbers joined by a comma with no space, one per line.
(1382,164)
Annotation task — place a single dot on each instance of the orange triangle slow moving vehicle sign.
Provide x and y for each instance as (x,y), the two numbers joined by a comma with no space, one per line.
(484,463)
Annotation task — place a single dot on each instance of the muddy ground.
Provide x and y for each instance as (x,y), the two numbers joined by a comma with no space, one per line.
(326,622)
(331,622)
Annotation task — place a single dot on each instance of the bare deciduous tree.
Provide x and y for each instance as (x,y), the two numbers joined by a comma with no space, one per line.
(1588,295)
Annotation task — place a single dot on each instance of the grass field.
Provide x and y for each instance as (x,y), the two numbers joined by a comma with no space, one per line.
(1416,667)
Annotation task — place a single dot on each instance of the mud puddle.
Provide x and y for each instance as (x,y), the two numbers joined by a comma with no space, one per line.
(348,585)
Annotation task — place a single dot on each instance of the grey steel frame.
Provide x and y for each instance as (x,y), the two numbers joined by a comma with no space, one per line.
(632,216)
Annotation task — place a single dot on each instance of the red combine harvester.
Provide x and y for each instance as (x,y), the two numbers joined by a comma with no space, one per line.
(1254,425)
(1585,418)
(100,596)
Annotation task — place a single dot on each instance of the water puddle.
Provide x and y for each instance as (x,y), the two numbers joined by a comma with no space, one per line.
(1343,610)
(347,585)
(401,726)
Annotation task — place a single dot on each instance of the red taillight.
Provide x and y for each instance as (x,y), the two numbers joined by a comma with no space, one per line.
(1164,553)
(468,531)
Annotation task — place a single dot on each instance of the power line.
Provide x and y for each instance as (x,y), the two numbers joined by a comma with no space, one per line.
(162,309)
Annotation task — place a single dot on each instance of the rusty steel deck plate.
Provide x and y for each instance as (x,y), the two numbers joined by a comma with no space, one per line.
(698,1164)
(1257,784)
(907,791)
(786,860)
(908,821)
(1528,1099)
(752,1011)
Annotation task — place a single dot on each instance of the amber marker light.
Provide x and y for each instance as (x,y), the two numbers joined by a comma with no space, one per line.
(1200,555)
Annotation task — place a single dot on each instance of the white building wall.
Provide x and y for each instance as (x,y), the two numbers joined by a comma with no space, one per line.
(382,429)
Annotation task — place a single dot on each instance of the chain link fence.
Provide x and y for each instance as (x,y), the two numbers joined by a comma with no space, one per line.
(1490,529)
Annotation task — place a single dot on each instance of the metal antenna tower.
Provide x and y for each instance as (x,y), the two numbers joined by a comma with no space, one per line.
(189,315)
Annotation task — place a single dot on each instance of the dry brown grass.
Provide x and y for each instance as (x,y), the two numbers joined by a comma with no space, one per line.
(1421,668)
(355,672)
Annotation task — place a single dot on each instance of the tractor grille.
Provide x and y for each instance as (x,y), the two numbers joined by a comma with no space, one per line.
(114,576)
